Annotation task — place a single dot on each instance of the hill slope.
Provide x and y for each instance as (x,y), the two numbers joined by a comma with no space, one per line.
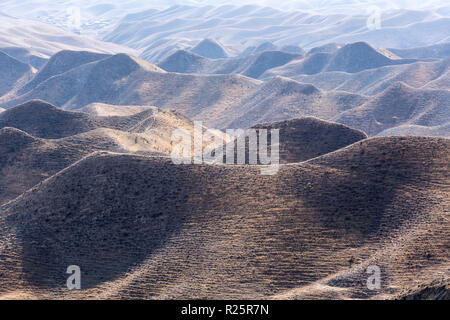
(61,62)
(306,138)
(251,65)
(282,99)
(27,160)
(44,120)
(399,105)
(13,73)
(309,231)
(125,80)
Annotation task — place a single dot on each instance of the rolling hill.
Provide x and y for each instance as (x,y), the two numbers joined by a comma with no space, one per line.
(13,73)
(43,120)
(438,51)
(31,57)
(299,140)
(308,232)
(431,75)
(159,33)
(399,105)
(125,80)
(251,65)
(60,63)
(350,58)
(210,48)
(282,99)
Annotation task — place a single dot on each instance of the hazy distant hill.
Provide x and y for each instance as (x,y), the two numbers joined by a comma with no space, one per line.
(399,105)
(351,58)
(252,65)
(13,73)
(438,51)
(31,57)
(60,63)
(47,39)
(432,75)
(416,130)
(309,231)
(251,26)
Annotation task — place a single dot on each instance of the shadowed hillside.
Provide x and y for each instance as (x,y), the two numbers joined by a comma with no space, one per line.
(437,51)
(253,65)
(26,160)
(141,227)
(351,58)
(306,138)
(299,140)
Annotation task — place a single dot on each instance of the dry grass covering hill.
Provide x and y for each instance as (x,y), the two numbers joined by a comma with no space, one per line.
(44,120)
(252,66)
(141,227)
(25,160)
(13,73)
(430,75)
(299,140)
(306,138)
(281,99)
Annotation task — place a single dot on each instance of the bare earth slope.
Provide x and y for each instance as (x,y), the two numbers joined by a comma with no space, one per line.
(141,227)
